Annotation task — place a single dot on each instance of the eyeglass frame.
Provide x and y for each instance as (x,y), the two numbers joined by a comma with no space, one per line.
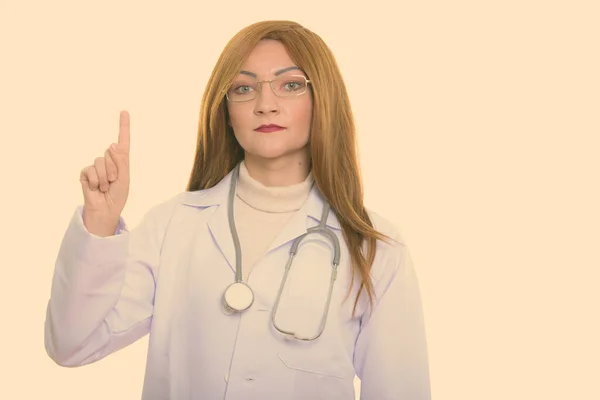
(270,81)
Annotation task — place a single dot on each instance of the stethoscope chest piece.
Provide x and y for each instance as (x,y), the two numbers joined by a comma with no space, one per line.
(237,297)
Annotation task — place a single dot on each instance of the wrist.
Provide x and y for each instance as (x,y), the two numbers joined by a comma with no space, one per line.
(100,224)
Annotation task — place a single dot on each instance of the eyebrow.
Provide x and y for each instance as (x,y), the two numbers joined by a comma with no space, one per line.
(281,71)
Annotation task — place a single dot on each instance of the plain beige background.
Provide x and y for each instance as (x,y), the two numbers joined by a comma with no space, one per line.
(478,128)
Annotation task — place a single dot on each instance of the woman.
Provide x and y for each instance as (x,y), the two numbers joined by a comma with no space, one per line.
(202,272)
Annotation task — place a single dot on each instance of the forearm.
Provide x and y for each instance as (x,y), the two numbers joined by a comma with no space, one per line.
(86,286)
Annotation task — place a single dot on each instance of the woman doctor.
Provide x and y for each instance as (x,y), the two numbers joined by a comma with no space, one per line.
(267,278)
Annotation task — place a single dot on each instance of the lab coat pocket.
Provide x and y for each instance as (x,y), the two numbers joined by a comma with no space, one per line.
(319,375)
(320,368)
(304,299)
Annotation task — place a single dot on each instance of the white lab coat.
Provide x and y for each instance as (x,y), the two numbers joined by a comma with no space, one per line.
(167,276)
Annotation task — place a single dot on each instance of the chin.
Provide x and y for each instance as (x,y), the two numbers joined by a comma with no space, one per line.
(273,147)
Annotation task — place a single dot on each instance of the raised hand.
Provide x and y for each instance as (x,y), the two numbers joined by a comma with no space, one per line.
(105,184)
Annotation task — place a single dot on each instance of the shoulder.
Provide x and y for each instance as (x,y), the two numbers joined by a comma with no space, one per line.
(384,225)
(198,198)
(157,220)
(393,258)
(180,205)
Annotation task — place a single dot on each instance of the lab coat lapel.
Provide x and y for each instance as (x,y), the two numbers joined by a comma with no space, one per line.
(307,216)
(218,223)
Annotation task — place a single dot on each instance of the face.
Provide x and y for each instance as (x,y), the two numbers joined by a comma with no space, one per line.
(294,114)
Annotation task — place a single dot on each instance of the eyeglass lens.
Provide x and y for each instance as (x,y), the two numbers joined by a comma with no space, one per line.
(246,88)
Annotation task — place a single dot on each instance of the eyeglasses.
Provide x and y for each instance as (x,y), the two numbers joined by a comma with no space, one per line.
(246,89)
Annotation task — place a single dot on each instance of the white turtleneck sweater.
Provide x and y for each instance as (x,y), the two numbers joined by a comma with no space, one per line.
(261,212)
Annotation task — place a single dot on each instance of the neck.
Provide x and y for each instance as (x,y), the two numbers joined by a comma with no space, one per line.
(272,199)
(277,172)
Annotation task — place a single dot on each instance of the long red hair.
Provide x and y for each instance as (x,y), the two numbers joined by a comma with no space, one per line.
(333,153)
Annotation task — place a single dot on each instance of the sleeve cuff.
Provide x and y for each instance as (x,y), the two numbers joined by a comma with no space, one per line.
(91,249)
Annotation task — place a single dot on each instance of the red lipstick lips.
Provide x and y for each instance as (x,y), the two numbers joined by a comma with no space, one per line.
(269,128)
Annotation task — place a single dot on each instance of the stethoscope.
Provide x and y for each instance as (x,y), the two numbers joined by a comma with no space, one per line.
(239,296)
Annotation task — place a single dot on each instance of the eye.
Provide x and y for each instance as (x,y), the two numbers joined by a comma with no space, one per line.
(293,85)
(242,89)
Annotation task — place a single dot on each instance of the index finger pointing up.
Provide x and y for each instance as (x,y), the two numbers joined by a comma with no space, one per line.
(124,131)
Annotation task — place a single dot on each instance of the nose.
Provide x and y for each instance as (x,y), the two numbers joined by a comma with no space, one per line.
(266,101)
